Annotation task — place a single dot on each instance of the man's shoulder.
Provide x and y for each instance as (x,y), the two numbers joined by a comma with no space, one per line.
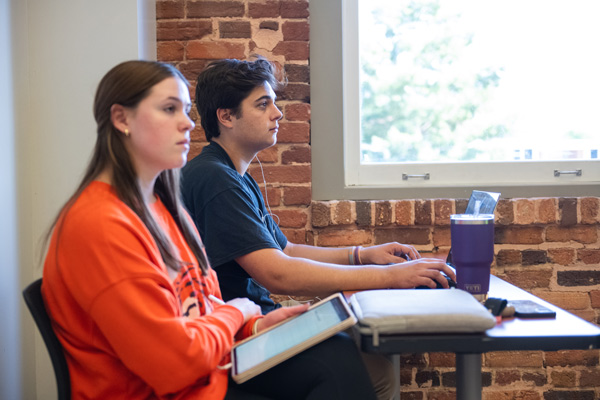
(206,178)
(208,168)
(207,158)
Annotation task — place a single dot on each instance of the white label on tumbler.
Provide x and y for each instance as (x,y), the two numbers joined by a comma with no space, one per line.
(473,288)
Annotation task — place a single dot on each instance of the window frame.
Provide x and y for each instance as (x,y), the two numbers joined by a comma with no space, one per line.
(336,173)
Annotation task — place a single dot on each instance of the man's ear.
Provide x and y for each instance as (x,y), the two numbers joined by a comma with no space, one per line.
(225,117)
(118,117)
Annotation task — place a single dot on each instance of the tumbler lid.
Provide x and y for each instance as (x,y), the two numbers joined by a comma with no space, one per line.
(471,219)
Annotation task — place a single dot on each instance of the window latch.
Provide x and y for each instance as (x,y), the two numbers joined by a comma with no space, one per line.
(576,172)
(405,177)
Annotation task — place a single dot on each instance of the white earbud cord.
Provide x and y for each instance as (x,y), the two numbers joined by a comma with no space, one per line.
(274,216)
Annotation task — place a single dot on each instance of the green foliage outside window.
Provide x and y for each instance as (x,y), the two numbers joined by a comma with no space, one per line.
(420,97)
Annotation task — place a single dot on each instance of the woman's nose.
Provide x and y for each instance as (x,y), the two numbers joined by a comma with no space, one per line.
(189,123)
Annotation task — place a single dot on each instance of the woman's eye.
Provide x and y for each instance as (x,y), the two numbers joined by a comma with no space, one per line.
(170,109)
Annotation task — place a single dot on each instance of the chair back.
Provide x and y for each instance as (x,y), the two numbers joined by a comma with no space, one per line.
(33,298)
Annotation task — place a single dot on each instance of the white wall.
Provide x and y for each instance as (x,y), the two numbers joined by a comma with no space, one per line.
(60,50)
(9,278)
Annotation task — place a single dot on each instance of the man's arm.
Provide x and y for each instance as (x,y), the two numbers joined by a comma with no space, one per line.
(283,274)
(389,253)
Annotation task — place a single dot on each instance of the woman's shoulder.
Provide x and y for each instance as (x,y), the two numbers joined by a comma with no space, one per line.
(99,196)
(99,206)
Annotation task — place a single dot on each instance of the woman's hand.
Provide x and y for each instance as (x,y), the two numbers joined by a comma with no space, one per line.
(388,253)
(247,307)
(278,315)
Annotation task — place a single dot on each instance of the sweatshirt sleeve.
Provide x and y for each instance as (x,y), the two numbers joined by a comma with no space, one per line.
(139,320)
(246,329)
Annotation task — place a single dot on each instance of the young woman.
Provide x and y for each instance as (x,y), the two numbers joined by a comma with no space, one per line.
(127,282)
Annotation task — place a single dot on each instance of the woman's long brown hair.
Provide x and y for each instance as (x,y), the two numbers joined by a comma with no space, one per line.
(128,84)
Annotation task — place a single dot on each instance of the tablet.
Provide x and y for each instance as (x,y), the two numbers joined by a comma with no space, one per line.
(276,344)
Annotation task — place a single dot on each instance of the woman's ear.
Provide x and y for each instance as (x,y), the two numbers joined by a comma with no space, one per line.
(118,117)
(224,116)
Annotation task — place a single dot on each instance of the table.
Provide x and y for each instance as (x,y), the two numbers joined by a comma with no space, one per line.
(565,332)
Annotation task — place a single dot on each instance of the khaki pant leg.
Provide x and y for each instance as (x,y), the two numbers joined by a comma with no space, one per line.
(382,374)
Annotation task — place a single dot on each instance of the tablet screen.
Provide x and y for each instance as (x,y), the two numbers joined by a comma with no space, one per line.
(291,333)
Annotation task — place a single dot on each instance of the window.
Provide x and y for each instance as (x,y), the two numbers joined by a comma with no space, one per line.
(431,111)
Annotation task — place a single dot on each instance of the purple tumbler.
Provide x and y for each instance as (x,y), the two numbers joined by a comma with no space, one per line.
(472,238)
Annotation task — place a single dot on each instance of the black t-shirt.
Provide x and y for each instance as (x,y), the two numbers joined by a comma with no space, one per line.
(230,214)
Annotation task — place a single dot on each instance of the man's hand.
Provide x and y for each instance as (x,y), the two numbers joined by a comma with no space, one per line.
(424,271)
(280,314)
(389,253)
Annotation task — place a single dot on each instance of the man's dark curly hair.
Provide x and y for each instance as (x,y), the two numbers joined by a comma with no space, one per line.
(225,84)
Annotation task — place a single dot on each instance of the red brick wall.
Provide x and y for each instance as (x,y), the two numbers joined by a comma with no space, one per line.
(191,33)
(548,246)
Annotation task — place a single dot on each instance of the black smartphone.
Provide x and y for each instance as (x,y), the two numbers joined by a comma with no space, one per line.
(531,309)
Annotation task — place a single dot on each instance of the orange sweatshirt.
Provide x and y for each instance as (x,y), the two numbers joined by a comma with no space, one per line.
(118,314)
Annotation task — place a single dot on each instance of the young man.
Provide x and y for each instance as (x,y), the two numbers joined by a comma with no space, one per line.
(236,103)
